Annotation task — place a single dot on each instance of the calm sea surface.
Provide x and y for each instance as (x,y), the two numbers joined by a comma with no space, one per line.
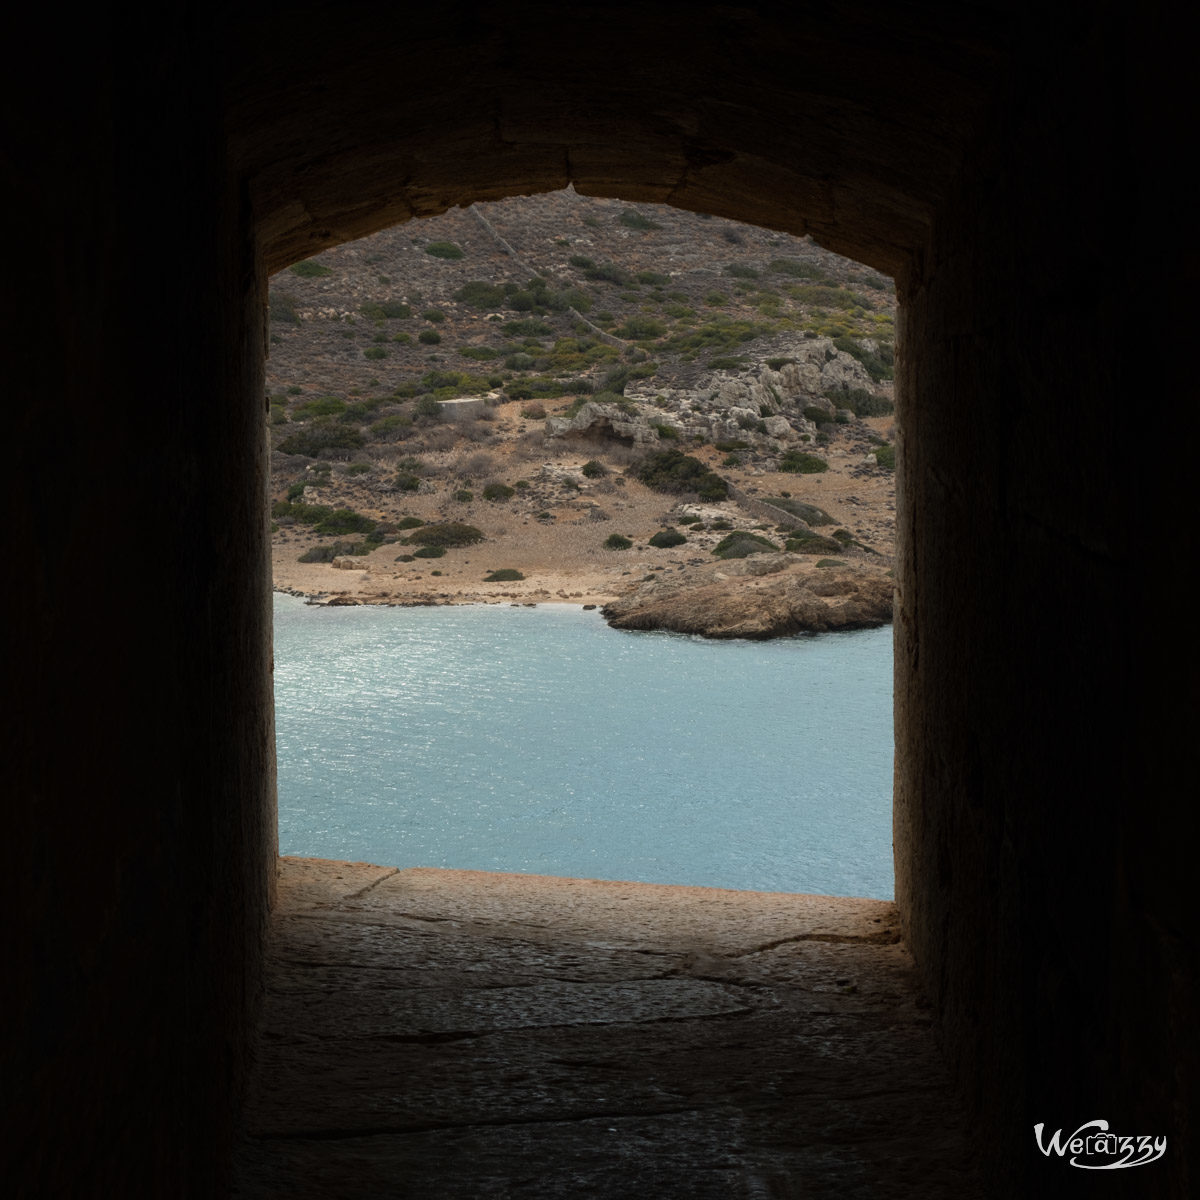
(541,740)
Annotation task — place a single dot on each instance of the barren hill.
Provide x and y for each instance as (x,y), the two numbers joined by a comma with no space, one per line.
(594,335)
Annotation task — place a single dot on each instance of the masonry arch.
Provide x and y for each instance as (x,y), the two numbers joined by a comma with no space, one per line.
(883,134)
(982,155)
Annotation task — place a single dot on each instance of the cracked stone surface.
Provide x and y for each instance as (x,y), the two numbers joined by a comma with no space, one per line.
(459,1034)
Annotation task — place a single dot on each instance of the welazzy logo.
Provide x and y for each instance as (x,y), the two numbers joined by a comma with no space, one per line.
(1102,1151)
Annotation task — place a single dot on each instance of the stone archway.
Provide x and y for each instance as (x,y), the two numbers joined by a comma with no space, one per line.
(984,158)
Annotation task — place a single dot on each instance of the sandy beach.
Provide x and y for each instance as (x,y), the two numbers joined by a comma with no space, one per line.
(555,537)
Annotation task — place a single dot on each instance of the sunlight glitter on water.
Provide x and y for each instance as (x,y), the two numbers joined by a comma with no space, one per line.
(541,740)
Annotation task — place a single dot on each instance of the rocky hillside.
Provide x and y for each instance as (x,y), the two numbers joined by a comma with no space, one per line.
(496,364)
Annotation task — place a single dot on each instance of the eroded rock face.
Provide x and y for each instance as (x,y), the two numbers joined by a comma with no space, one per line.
(604,420)
(761,405)
(768,595)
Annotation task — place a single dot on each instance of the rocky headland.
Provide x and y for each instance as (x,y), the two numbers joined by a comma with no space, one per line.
(768,595)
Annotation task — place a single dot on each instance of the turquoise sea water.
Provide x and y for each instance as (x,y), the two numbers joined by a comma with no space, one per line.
(541,740)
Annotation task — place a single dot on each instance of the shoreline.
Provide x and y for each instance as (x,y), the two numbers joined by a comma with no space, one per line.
(442,600)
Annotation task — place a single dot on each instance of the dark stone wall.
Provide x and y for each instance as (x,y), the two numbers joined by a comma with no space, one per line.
(846,120)
(1003,161)
(137,751)
(1040,688)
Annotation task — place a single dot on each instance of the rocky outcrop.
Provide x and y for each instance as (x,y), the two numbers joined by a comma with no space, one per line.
(761,405)
(807,368)
(627,421)
(768,595)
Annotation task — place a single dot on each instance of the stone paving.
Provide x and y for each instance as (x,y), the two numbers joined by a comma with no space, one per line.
(439,1035)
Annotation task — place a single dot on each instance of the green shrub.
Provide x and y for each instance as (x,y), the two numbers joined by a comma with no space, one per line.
(673,471)
(478,294)
(632,219)
(668,433)
(740,271)
(391,428)
(344,520)
(434,551)
(322,436)
(665,538)
(407,482)
(322,406)
(885,456)
(616,541)
(297,510)
(429,337)
(719,332)
(594,470)
(282,308)
(605,273)
(326,554)
(652,278)
(804,541)
(374,353)
(831,562)
(641,329)
(742,544)
(534,412)
(880,363)
(861,402)
(690,519)
(498,491)
(435,315)
(447,250)
(810,514)
(796,462)
(798,270)
(503,575)
(409,523)
(310,269)
(448,533)
(387,310)
(464,496)
(527,327)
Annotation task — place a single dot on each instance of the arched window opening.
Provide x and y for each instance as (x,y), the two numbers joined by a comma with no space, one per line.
(560,401)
